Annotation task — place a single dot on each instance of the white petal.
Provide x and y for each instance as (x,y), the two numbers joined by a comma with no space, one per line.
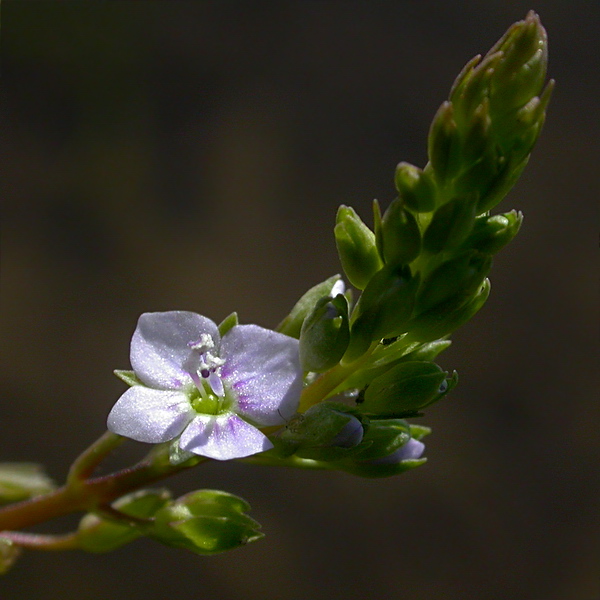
(160,346)
(148,415)
(223,437)
(262,368)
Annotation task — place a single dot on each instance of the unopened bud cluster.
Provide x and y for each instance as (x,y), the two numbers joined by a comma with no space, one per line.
(422,269)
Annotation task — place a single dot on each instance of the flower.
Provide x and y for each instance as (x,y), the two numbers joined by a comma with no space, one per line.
(213,392)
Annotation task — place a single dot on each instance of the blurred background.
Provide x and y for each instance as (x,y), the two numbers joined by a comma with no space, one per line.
(192,155)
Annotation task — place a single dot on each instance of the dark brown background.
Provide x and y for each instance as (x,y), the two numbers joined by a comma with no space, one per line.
(191,155)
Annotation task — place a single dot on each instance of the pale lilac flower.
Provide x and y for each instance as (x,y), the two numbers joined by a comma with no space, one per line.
(210,391)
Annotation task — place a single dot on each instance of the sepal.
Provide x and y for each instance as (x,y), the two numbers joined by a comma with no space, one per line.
(389,450)
(128,377)
(97,533)
(327,431)
(325,334)
(401,237)
(292,324)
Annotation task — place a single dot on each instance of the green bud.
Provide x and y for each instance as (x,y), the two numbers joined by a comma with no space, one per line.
(383,309)
(444,144)
(415,187)
(356,247)
(327,431)
(477,135)
(388,449)
(9,553)
(520,74)
(20,481)
(386,356)
(383,437)
(473,91)
(401,237)
(477,178)
(451,224)
(99,534)
(458,278)
(406,388)
(205,522)
(491,233)
(292,324)
(444,318)
(325,334)
(516,132)
(502,183)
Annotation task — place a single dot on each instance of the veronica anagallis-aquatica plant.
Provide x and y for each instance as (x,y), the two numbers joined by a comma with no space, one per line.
(335,386)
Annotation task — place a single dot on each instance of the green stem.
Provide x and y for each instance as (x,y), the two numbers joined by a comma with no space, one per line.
(325,385)
(293,461)
(85,464)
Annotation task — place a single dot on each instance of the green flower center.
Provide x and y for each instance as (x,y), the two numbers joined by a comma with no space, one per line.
(204,401)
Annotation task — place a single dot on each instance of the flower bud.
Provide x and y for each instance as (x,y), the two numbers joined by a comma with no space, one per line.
(20,481)
(99,534)
(325,334)
(356,247)
(292,324)
(501,184)
(406,388)
(415,187)
(326,431)
(451,224)
(477,137)
(401,237)
(491,233)
(383,309)
(444,318)
(205,522)
(520,74)
(444,144)
(412,450)
(459,277)
(389,450)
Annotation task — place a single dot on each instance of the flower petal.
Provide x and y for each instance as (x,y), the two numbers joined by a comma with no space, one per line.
(148,415)
(160,347)
(262,368)
(223,437)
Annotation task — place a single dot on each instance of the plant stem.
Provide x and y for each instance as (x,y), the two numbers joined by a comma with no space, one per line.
(322,387)
(86,495)
(85,464)
(36,541)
